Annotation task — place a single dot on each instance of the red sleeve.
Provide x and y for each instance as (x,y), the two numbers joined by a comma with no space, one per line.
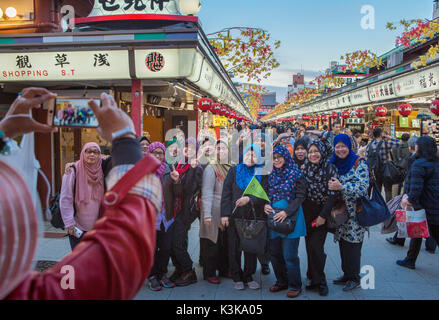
(111,262)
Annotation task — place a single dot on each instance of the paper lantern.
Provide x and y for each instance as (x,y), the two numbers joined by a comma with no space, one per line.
(216,108)
(305,118)
(345,114)
(223,110)
(381,111)
(405,109)
(434,106)
(227,113)
(325,118)
(204,104)
(360,113)
(334,115)
(189,7)
(319,118)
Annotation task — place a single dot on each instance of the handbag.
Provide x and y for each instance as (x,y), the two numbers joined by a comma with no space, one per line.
(393,174)
(372,211)
(252,234)
(339,215)
(389,226)
(285,227)
(412,224)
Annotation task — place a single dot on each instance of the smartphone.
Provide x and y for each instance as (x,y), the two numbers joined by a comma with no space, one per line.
(78,232)
(71,112)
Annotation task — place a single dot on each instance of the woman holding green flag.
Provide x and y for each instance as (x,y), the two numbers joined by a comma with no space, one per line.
(235,205)
(285,202)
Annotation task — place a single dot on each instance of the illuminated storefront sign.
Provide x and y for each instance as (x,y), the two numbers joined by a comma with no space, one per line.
(118,7)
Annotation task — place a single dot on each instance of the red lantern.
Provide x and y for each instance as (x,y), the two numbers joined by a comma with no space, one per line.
(204,104)
(319,118)
(305,118)
(227,113)
(345,114)
(405,109)
(325,118)
(434,106)
(360,113)
(216,108)
(334,115)
(223,110)
(381,111)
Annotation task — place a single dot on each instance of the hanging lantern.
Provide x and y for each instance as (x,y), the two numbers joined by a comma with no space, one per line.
(204,104)
(405,109)
(360,113)
(334,115)
(227,113)
(381,111)
(305,118)
(216,108)
(222,110)
(345,114)
(434,106)
(325,118)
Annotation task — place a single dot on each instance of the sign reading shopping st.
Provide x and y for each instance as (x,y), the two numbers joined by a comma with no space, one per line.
(116,7)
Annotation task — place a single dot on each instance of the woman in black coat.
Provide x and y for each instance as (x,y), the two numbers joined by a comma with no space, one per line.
(235,205)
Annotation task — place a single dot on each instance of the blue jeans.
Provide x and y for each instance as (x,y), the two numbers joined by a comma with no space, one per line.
(286,263)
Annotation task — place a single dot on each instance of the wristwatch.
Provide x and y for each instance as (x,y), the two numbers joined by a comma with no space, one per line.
(123,132)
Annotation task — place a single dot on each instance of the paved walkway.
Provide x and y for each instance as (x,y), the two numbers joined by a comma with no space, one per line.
(391,281)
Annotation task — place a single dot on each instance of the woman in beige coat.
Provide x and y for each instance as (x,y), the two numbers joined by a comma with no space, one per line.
(213,239)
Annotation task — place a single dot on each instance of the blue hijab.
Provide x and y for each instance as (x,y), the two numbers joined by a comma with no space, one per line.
(244,174)
(346,164)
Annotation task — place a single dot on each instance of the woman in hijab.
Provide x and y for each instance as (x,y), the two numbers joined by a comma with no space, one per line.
(319,201)
(80,206)
(157,277)
(212,236)
(186,184)
(235,205)
(300,147)
(286,200)
(353,183)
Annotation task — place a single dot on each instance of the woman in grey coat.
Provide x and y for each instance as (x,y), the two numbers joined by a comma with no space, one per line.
(212,236)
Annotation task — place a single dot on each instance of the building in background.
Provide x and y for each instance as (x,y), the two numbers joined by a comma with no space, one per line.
(268,104)
(299,84)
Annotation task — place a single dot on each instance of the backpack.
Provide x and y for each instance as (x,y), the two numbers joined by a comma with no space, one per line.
(374,160)
(55,209)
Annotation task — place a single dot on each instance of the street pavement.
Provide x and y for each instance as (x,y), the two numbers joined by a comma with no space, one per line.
(392,282)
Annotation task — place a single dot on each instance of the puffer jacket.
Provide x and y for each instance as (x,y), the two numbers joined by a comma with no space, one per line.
(423,188)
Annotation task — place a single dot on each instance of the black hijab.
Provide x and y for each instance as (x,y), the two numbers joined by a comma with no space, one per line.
(304,143)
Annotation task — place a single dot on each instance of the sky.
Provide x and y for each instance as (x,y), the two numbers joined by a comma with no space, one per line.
(312,33)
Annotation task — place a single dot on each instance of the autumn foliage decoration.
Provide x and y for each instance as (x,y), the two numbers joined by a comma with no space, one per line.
(247,52)
(361,60)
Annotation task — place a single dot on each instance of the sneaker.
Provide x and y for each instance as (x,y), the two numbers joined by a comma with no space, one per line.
(351,285)
(154,284)
(166,283)
(393,241)
(187,278)
(253,285)
(238,285)
(406,264)
(340,280)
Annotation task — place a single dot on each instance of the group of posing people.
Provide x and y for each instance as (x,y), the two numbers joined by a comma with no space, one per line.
(310,178)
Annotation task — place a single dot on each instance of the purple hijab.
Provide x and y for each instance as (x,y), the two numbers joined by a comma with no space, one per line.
(151,148)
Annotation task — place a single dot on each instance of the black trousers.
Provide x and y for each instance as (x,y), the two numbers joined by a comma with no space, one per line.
(264,259)
(350,254)
(75,241)
(215,256)
(387,188)
(416,244)
(250,259)
(315,250)
(162,252)
(180,257)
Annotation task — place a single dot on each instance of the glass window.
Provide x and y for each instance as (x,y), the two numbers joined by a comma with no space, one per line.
(13,11)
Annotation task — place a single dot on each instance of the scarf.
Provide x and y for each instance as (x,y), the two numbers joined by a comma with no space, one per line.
(346,164)
(281,181)
(245,174)
(151,148)
(318,175)
(221,169)
(89,175)
(304,143)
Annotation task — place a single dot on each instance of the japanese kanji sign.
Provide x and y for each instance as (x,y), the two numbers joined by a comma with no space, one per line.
(117,7)
(421,81)
(65,65)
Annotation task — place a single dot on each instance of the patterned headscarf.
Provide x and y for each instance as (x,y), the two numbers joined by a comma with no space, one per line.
(318,175)
(151,148)
(281,181)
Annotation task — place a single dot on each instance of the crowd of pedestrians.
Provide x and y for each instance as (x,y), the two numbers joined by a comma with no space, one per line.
(315,177)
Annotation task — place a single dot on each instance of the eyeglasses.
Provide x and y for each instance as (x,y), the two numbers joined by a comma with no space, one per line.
(313,152)
(277,158)
(158,153)
(95,152)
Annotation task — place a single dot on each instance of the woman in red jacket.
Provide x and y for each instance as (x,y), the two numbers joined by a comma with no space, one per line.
(114,258)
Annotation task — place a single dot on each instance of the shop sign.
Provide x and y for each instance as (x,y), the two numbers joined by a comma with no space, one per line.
(418,82)
(64,65)
(383,91)
(118,7)
(344,100)
(204,78)
(360,96)
(332,103)
(166,63)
